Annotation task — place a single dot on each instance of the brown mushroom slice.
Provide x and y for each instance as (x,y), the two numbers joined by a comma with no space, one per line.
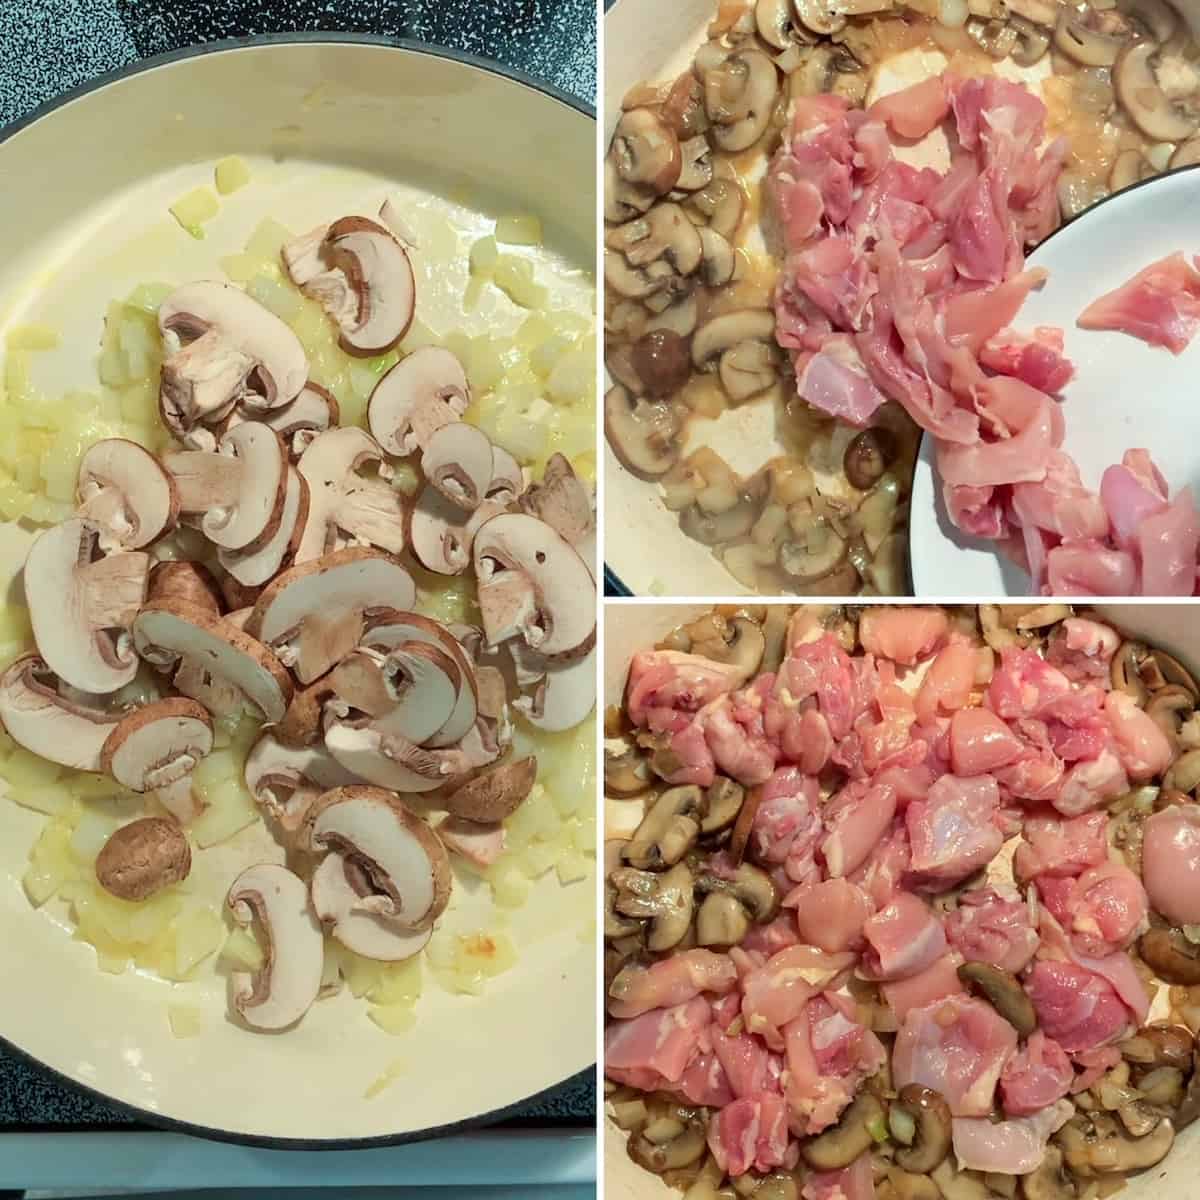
(1171,956)
(313,411)
(1129,167)
(1158,18)
(457,461)
(312,615)
(46,723)
(740,95)
(721,921)
(361,750)
(663,233)
(286,987)
(155,748)
(668,830)
(258,565)
(237,490)
(919,1119)
(1151,87)
(143,858)
(533,584)
(564,503)
(1186,155)
(1090,1154)
(480,843)
(408,396)
(697,169)
(361,275)
(286,780)
(722,333)
(1003,991)
(441,534)
(642,433)
(81,609)
(837,1147)
(646,151)
(494,795)
(391,628)
(340,499)
(664,899)
(124,491)
(401,857)
(1084,45)
(718,261)
(721,205)
(815,554)
(823,17)
(187,581)
(563,697)
(223,347)
(166,631)
(773,20)
(748,369)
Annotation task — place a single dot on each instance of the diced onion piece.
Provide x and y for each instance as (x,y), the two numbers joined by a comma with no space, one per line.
(393,1019)
(186,1020)
(33,336)
(483,256)
(519,231)
(267,240)
(514,277)
(192,210)
(230,174)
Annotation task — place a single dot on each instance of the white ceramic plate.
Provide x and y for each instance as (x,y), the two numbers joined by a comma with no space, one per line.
(327,124)
(1125,393)
(630,627)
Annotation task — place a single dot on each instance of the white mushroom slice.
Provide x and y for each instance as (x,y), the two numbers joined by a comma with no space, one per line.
(255,567)
(388,630)
(156,748)
(360,750)
(351,919)
(125,492)
(312,614)
(313,411)
(285,780)
(164,631)
(361,275)
(49,725)
(81,610)
(441,534)
(369,510)
(421,393)
(217,696)
(458,462)
(563,697)
(533,584)
(223,347)
(480,843)
(284,990)
(564,503)
(507,477)
(402,861)
(239,490)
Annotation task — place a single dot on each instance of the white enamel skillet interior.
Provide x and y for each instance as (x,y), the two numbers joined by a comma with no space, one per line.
(327,124)
(630,627)
(1120,400)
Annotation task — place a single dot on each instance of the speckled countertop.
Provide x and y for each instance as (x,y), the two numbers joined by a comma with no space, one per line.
(50,46)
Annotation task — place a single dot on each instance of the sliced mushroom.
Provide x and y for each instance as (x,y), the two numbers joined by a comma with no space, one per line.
(167,631)
(626,771)
(718,261)
(926,1113)
(406,872)
(722,803)
(815,554)
(46,723)
(697,169)
(750,885)
(721,921)
(188,581)
(730,329)
(738,643)
(125,492)
(361,275)
(313,411)
(531,583)
(294,956)
(312,615)
(1033,42)
(156,747)
(664,899)
(748,369)
(1160,670)
(1153,88)
(721,205)
(1160,1045)
(1183,775)
(739,96)
(223,348)
(714,529)
(421,393)
(1051,1180)
(1129,167)
(668,830)
(1125,674)
(287,780)
(823,17)
(481,843)
(81,609)
(679,1145)
(1083,44)
(641,433)
(636,283)
(457,461)
(1186,155)
(996,38)
(773,19)
(1158,18)
(1169,708)
(562,697)
(1003,992)
(495,795)
(143,858)
(868,455)
(1171,956)
(256,564)
(646,151)
(1088,1153)
(442,534)
(853,1135)
(341,500)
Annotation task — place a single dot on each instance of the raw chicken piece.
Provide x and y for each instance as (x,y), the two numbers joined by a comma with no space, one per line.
(904,939)
(670,982)
(836,381)
(1160,305)
(951,832)
(990,928)
(1037,360)
(938,980)
(1013,1147)
(1076,1007)
(980,742)
(914,111)
(1171,862)
(856,818)
(656,1046)
(1023,684)
(704,1082)
(750,1134)
(1141,745)
(1090,568)
(948,682)
(749,1066)
(667,685)
(855,1182)
(1061,846)
(902,635)
(1091,783)
(777,992)
(1102,910)
(830,914)
(1036,1076)
(1167,543)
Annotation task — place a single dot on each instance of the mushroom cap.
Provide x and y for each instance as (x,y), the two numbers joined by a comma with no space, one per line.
(288,984)
(177,629)
(379,271)
(157,744)
(188,581)
(46,724)
(401,854)
(334,590)
(480,843)
(494,795)
(124,490)
(279,367)
(390,628)
(330,465)
(723,332)
(255,566)
(563,697)
(458,461)
(358,928)
(642,433)
(77,606)
(1142,97)
(532,582)
(562,500)
(429,377)
(441,534)
(142,858)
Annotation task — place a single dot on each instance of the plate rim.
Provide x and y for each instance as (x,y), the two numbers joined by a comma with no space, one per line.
(7,132)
